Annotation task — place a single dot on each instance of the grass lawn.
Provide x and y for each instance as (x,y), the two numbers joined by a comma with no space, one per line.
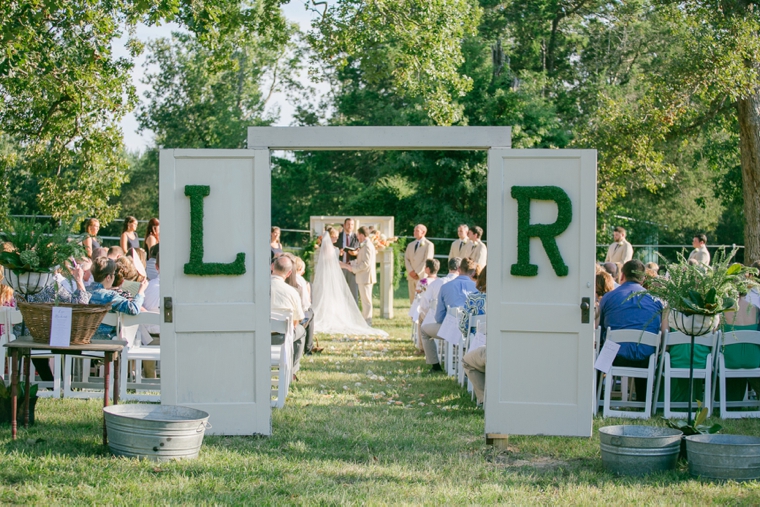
(365,424)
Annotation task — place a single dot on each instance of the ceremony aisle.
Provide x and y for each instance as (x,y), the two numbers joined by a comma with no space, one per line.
(367,424)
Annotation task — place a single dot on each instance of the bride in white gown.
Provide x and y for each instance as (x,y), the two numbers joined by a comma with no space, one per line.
(335,309)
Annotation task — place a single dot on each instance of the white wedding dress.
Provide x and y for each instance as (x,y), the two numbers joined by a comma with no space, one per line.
(335,309)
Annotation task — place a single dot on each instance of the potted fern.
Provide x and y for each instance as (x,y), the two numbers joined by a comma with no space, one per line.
(33,250)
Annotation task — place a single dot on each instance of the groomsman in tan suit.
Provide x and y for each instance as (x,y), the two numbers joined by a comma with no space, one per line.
(364,269)
(478,251)
(460,247)
(620,250)
(417,252)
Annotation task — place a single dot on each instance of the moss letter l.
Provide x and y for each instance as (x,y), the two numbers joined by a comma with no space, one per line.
(196,266)
(547,233)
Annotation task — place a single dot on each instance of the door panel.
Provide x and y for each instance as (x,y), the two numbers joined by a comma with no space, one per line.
(212,357)
(539,354)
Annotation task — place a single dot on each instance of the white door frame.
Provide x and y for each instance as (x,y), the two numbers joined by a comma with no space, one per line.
(265,139)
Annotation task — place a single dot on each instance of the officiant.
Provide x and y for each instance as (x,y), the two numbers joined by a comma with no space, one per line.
(348,244)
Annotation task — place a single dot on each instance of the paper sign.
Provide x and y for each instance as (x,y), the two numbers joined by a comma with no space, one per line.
(429,318)
(60,327)
(478,340)
(606,356)
(414,311)
(450,330)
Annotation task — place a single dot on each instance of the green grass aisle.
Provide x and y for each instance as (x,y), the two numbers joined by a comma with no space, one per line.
(365,424)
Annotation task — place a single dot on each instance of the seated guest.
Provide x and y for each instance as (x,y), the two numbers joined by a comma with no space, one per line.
(642,312)
(431,270)
(149,334)
(286,298)
(100,252)
(115,252)
(474,304)
(101,293)
(740,355)
(474,361)
(612,269)
(452,294)
(125,278)
(431,293)
(604,284)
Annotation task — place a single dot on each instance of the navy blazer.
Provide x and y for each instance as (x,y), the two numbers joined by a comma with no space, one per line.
(353,242)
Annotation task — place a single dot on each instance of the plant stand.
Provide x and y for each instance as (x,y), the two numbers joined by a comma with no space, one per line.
(693,326)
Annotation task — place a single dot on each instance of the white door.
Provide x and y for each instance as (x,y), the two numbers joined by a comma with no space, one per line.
(541,248)
(214,260)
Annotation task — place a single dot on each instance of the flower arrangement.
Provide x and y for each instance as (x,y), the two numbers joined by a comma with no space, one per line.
(381,241)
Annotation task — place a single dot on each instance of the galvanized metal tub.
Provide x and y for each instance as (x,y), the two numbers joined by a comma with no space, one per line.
(722,457)
(155,432)
(639,450)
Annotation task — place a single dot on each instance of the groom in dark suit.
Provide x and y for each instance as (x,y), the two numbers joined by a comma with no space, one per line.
(347,238)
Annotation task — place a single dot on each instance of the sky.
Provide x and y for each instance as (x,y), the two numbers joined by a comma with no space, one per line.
(134,141)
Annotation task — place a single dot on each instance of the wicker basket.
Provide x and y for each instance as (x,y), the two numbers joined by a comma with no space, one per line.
(85,320)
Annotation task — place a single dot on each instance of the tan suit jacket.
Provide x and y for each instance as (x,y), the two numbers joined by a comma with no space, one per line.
(459,248)
(700,255)
(415,261)
(619,252)
(364,266)
(478,253)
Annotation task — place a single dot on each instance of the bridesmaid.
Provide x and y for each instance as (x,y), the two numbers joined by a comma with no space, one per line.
(151,235)
(90,243)
(129,237)
(275,244)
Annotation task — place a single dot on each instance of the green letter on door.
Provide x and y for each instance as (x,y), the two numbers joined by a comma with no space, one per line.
(196,266)
(547,233)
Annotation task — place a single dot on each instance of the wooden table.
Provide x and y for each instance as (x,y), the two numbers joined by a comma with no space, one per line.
(23,347)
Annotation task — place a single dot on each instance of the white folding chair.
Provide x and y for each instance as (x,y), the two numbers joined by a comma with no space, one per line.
(130,330)
(730,339)
(281,358)
(479,323)
(598,381)
(632,336)
(668,372)
(12,317)
(86,388)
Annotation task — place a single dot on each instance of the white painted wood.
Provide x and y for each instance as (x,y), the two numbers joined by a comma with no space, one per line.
(539,355)
(386,226)
(379,138)
(215,354)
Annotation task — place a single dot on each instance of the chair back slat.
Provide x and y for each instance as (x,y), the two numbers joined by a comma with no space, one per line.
(678,338)
(736,337)
(634,336)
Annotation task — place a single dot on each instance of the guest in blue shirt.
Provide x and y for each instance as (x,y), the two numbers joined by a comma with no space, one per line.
(103,271)
(642,312)
(452,294)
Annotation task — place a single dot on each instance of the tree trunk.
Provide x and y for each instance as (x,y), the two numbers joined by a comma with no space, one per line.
(749,145)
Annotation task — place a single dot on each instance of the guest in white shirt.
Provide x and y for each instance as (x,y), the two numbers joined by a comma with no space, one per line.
(460,247)
(431,293)
(150,266)
(287,299)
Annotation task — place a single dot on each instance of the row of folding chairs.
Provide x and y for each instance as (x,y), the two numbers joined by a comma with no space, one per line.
(660,372)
